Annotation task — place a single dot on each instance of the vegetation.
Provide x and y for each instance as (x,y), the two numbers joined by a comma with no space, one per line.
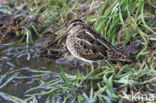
(120,21)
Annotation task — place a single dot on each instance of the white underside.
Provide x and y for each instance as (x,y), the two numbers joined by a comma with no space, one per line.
(76,55)
(73,51)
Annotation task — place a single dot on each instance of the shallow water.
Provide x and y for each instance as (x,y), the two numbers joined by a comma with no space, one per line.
(18,74)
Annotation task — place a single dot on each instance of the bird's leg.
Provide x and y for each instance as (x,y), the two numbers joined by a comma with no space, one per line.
(92,67)
(99,64)
(88,74)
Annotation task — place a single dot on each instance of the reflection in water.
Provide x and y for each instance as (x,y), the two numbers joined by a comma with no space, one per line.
(18,75)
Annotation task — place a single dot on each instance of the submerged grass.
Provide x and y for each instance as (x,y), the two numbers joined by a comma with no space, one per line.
(109,83)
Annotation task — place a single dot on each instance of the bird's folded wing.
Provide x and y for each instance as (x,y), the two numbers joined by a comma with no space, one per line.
(96,45)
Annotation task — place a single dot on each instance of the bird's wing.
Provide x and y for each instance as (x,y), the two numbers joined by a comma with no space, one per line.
(88,50)
(96,46)
(91,49)
(105,43)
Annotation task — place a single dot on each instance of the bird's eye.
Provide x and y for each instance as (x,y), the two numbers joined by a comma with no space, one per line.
(74,24)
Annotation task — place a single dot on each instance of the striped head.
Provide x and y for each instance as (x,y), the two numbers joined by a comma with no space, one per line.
(75,25)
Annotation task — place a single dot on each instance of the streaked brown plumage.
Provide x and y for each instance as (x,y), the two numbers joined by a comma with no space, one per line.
(88,45)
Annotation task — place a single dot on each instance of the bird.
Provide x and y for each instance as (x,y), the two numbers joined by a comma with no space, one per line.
(88,45)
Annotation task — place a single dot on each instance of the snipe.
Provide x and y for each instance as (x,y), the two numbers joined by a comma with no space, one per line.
(88,45)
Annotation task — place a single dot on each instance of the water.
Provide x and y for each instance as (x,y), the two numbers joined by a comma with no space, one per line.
(18,74)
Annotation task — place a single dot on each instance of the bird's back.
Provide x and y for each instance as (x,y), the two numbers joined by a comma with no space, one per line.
(88,45)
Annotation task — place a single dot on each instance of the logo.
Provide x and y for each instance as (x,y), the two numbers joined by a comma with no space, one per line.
(139,97)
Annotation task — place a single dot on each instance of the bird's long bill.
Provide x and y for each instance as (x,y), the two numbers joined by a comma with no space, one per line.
(59,38)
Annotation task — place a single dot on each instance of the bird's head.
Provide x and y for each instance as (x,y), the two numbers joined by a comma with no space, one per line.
(75,25)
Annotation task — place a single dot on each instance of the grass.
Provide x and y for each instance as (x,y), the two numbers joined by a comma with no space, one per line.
(109,83)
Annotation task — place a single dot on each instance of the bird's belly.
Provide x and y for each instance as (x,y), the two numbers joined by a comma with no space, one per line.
(74,48)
